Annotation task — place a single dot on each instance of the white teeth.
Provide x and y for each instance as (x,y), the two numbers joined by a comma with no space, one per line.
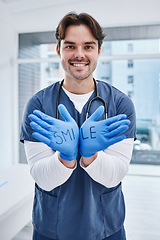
(78,65)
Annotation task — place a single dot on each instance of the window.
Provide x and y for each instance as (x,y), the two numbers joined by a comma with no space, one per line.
(130,47)
(130,65)
(142,86)
(130,79)
(130,94)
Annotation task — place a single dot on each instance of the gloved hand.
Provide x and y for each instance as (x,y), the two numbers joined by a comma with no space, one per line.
(62,136)
(99,135)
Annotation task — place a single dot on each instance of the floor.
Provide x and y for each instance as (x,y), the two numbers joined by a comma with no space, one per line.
(141,189)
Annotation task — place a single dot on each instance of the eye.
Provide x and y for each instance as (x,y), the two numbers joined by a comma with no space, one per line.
(70,47)
(88,47)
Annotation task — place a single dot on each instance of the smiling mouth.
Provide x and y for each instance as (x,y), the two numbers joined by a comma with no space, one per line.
(78,64)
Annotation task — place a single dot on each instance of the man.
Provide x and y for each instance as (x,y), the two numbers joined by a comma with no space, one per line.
(78,164)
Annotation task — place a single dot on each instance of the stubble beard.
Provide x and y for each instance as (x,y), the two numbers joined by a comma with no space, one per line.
(84,76)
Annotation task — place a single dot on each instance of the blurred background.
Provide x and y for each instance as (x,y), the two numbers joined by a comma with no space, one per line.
(130,61)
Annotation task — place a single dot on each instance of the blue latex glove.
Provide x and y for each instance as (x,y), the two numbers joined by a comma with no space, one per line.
(99,135)
(62,136)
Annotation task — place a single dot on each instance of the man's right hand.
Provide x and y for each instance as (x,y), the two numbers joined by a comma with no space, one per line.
(62,136)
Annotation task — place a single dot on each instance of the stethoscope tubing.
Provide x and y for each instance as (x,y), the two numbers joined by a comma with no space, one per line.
(97,97)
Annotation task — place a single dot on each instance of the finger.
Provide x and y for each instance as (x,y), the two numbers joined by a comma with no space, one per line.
(115,140)
(44,116)
(41,138)
(37,128)
(64,113)
(118,131)
(40,122)
(115,119)
(97,114)
(32,117)
(118,123)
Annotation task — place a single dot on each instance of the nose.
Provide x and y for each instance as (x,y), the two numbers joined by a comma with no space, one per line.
(79,53)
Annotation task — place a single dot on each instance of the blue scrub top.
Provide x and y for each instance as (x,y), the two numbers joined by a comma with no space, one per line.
(81,208)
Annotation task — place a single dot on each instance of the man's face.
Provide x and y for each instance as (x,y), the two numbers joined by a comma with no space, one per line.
(79,52)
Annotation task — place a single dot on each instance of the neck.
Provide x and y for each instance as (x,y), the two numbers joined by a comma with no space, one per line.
(79,86)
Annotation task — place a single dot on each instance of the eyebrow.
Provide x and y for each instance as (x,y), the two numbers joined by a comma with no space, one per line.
(68,42)
(86,43)
(92,42)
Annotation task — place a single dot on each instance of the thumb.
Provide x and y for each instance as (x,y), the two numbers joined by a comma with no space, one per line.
(64,113)
(97,114)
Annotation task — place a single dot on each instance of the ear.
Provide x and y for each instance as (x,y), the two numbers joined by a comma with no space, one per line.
(58,51)
(99,51)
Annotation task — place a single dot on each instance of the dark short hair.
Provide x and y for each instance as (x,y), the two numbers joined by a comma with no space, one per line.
(78,19)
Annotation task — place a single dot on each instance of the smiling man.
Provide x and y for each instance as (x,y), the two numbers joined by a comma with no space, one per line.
(78,164)
(79,57)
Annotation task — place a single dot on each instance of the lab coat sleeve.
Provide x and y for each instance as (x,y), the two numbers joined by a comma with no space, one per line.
(45,167)
(111,165)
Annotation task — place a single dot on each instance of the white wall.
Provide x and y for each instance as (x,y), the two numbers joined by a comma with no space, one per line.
(107,12)
(8,89)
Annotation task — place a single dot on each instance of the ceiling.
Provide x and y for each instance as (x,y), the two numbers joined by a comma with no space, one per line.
(17,6)
(113,33)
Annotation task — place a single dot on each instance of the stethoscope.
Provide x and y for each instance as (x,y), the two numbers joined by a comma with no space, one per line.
(97,97)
